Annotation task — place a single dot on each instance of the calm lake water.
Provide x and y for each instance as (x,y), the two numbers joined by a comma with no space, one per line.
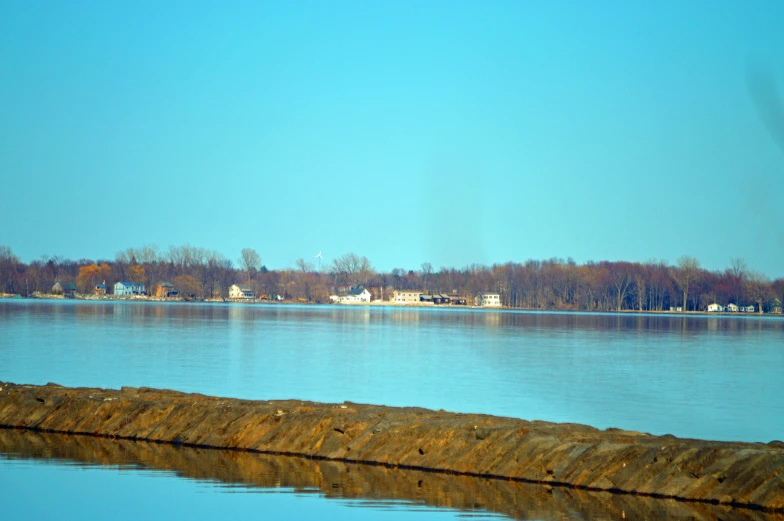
(695,376)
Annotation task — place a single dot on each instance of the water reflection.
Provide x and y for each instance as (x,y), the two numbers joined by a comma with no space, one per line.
(148,314)
(371,486)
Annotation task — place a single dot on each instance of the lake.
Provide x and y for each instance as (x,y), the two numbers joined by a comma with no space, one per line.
(692,376)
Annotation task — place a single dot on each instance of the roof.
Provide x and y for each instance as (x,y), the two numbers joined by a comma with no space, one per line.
(66,285)
(100,286)
(129,284)
(244,288)
(358,290)
(166,285)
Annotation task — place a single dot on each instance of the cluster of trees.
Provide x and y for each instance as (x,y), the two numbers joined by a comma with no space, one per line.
(548,284)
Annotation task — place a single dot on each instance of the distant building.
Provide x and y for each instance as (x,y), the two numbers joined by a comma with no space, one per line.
(406,296)
(99,289)
(715,308)
(732,308)
(440,298)
(356,295)
(241,292)
(435,298)
(127,289)
(775,306)
(747,309)
(489,300)
(457,300)
(64,288)
(166,290)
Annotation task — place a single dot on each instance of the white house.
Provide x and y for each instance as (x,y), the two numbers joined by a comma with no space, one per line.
(241,292)
(489,300)
(406,296)
(715,308)
(128,288)
(355,295)
(747,309)
(732,308)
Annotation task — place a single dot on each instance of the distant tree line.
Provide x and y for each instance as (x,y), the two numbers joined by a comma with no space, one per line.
(548,284)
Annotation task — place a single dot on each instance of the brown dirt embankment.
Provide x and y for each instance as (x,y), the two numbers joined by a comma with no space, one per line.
(739,474)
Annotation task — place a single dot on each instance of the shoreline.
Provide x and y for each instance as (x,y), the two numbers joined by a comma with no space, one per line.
(388,304)
(748,475)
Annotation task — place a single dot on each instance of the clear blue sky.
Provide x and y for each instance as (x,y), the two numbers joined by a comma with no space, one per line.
(447,132)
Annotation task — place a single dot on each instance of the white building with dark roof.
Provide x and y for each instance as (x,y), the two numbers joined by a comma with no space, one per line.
(356,295)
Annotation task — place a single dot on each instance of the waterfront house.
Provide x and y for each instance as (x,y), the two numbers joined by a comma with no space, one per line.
(406,296)
(775,306)
(457,300)
(435,298)
(64,288)
(440,298)
(732,308)
(128,289)
(715,308)
(99,289)
(356,295)
(747,309)
(489,300)
(238,292)
(166,290)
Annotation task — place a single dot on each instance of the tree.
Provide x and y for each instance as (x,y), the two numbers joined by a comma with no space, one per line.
(188,286)
(304,266)
(427,271)
(250,261)
(91,274)
(8,263)
(136,273)
(352,269)
(758,287)
(738,271)
(621,277)
(641,285)
(7,255)
(686,274)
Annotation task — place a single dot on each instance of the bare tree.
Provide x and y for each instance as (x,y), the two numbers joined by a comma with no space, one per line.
(738,272)
(621,278)
(304,266)
(352,269)
(8,262)
(758,287)
(427,271)
(640,286)
(685,274)
(250,261)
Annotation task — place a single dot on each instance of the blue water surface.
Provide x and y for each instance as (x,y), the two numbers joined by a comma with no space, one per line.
(692,376)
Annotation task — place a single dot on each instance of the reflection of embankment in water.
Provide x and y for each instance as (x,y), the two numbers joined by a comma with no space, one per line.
(363,482)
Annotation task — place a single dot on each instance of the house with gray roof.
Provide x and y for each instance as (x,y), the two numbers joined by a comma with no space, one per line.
(356,295)
(128,289)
